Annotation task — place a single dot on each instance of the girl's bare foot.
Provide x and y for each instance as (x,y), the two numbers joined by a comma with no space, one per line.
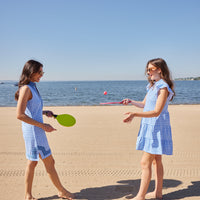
(153,195)
(29,197)
(136,198)
(66,195)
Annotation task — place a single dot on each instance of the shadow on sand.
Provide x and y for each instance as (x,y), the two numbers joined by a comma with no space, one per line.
(192,190)
(129,188)
(49,198)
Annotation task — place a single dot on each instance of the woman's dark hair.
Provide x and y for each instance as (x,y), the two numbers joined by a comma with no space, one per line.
(30,68)
(159,63)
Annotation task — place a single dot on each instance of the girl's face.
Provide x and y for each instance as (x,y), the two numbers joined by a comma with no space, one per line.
(35,77)
(153,72)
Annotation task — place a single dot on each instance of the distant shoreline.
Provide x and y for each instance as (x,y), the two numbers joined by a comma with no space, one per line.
(188,79)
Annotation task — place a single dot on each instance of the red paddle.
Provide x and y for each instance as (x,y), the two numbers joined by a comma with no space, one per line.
(116,102)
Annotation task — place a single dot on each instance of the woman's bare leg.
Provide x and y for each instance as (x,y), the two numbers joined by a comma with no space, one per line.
(50,168)
(29,175)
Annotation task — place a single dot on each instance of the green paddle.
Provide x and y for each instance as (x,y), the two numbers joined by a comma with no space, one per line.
(65,119)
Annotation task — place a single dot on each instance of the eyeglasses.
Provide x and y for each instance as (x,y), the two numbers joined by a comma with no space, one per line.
(41,73)
(151,69)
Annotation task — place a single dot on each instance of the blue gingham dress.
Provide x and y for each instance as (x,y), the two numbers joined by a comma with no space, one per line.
(35,138)
(155,135)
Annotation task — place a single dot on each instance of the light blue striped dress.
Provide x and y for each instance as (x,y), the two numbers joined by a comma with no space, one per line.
(155,135)
(35,138)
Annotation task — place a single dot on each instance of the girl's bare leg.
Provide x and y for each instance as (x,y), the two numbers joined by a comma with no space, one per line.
(29,175)
(50,168)
(159,172)
(146,163)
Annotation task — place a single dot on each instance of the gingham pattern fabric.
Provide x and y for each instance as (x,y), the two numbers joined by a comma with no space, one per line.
(35,138)
(155,135)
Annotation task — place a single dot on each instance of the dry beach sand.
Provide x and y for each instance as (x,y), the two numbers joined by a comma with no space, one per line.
(96,159)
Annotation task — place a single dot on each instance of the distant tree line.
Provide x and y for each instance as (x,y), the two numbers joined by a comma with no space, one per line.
(188,79)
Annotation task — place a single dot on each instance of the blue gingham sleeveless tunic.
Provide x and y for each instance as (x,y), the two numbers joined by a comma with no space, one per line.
(35,138)
(155,135)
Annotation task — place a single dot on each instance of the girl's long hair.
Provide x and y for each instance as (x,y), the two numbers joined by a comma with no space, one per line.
(159,63)
(30,67)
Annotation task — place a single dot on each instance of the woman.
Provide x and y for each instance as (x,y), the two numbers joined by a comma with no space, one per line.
(29,111)
(154,138)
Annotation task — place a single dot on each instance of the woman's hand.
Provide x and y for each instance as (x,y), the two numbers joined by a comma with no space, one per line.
(48,113)
(126,101)
(48,128)
(129,118)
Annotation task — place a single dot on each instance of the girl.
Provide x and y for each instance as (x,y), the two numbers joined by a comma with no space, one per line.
(154,137)
(29,111)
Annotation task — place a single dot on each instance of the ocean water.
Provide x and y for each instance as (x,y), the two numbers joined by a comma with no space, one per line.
(86,93)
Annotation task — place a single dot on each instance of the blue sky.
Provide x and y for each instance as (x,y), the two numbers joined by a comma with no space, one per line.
(99,39)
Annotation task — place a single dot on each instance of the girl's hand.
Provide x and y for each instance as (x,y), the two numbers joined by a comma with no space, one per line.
(48,113)
(48,128)
(126,101)
(129,118)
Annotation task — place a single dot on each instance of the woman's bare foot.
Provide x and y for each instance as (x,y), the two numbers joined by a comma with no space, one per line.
(153,195)
(66,195)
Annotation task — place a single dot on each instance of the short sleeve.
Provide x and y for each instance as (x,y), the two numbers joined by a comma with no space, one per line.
(148,87)
(162,84)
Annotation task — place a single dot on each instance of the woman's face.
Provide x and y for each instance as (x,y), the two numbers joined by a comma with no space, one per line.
(35,77)
(153,72)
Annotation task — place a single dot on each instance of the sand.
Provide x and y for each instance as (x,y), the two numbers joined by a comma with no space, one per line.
(96,159)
